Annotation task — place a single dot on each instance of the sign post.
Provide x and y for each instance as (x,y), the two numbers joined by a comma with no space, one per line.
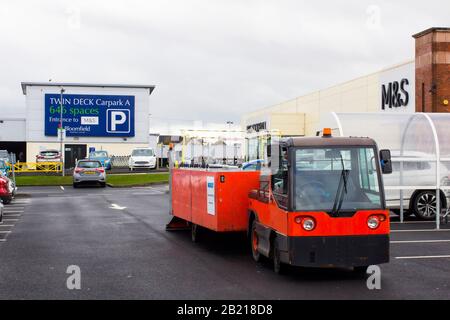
(61,134)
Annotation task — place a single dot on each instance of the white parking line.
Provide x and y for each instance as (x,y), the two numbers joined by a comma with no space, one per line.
(11,215)
(13,211)
(411,222)
(422,230)
(5,232)
(4,220)
(6,225)
(420,241)
(2,240)
(424,257)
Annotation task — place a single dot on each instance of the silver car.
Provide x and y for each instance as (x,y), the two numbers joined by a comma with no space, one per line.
(89,171)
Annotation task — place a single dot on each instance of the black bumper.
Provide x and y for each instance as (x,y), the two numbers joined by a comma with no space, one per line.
(341,251)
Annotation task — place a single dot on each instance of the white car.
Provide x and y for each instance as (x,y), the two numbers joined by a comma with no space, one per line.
(142,158)
(421,203)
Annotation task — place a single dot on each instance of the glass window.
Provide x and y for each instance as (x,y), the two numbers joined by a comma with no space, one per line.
(89,164)
(341,178)
(142,153)
(99,154)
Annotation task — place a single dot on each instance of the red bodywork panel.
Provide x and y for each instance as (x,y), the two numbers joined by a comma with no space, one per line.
(189,197)
(270,215)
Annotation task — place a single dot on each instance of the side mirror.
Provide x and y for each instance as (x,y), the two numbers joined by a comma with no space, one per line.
(385,160)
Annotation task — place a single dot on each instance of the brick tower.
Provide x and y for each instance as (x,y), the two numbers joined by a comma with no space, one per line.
(433,70)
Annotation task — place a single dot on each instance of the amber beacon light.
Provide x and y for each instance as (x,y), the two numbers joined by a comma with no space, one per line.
(326,132)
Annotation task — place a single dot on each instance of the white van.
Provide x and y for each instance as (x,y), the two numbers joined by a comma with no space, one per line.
(142,158)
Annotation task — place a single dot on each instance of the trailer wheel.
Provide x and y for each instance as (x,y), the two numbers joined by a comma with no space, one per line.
(254,242)
(277,265)
(195,230)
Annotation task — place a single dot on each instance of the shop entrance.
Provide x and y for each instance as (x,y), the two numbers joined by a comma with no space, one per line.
(74,152)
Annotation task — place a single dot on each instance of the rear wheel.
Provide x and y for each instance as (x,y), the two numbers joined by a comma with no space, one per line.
(103,184)
(254,241)
(75,185)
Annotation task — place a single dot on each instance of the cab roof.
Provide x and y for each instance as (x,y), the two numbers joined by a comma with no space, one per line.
(329,141)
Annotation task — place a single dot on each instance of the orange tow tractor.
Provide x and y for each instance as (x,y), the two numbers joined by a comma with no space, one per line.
(320,203)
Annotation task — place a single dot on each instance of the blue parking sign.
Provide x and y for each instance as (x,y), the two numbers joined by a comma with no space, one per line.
(90,115)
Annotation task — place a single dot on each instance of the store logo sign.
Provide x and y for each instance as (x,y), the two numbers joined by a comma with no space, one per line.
(257,127)
(395,94)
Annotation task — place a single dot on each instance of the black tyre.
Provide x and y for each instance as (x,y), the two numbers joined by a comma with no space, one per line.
(75,185)
(254,240)
(102,184)
(7,200)
(424,205)
(278,267)
(195,232)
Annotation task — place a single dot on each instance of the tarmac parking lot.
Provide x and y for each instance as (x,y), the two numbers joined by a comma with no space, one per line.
(117,237)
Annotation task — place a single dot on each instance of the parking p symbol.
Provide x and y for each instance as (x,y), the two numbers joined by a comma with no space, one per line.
(117,118)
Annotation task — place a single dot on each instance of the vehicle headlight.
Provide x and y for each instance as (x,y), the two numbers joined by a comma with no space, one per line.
(373,222)
(307,223)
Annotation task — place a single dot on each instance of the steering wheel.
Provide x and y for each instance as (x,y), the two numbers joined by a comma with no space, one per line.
(312,192)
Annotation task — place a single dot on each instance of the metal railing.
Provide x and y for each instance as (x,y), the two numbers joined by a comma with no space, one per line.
(38,167)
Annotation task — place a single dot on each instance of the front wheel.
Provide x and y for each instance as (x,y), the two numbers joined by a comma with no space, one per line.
(254,241)
(278,267)
(7,200)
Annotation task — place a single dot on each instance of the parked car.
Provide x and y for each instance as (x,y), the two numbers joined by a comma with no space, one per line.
(5,167)
(7,190)
(420,202)
(48,156)
(4,155)
(6,171)
(1,211)
(142,158)
(89,171)
(101,156)
(253,165)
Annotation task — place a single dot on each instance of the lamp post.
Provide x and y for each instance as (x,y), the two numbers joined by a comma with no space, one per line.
(61,131)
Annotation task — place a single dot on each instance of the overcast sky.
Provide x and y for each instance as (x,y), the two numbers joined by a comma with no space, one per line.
(209,59)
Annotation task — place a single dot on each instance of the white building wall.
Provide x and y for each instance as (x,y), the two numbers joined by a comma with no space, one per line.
(35,124)
(12,129)
(359,95)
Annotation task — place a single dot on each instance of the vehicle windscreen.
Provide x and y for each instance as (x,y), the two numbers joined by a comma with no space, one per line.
(336,179)
(142,153)
(99,154)
(89,164)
